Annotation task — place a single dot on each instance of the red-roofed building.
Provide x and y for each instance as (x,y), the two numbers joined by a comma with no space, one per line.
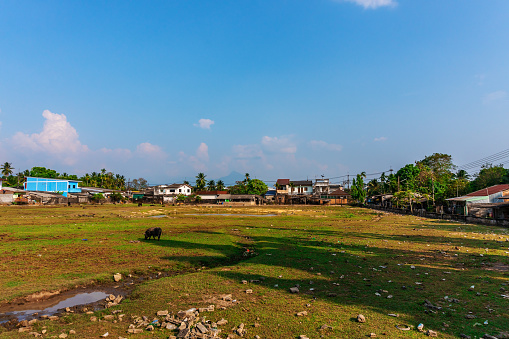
(282,186)
(489,195)
(497,190)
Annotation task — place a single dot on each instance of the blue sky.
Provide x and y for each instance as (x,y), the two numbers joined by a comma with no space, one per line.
(280,89)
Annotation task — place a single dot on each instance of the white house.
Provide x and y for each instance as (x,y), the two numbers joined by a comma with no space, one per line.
(173,189)
(302,187)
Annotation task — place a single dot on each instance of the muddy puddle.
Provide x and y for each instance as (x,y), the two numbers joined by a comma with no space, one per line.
(79,300)
(73,301)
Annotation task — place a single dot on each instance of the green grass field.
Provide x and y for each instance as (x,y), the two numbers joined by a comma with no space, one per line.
(345,261)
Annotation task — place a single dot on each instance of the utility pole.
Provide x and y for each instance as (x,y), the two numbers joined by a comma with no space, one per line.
(348,180)
(433,184)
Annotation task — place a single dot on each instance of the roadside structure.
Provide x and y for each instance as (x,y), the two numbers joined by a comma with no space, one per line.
(301,187)
(240,199)
(337,197)
(210,197)
(62,186)
(322,186)
(481,202)
(10,195)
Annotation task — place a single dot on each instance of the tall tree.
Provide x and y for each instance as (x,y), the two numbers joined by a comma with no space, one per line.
(7,169)
(357,191)
(211,185)
(441,165)
(490,175)
(200,181)
(220,185)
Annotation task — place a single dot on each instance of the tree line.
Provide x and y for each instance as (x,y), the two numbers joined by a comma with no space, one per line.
(432,179)
(102,179)
(246,186)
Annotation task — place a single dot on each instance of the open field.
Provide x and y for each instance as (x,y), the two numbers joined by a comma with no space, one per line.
(345,260)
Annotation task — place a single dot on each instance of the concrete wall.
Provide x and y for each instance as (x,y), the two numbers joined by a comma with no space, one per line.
(6,198)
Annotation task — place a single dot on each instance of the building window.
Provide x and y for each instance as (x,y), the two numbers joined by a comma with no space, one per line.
(180,190)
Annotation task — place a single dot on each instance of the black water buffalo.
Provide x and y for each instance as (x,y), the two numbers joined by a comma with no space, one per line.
(153,232)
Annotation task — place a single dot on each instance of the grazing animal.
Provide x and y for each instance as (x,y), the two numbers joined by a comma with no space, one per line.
(153,232)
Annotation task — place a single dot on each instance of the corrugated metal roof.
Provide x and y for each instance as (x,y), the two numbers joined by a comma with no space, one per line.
(302,183)
(467,198)
(339,192)
(489,190)
(492,205)
(211,192)
(177,185)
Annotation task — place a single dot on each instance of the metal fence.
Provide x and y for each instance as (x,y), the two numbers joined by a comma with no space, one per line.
(444,216)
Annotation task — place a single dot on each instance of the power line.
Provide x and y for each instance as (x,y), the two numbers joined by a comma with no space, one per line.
(489,159)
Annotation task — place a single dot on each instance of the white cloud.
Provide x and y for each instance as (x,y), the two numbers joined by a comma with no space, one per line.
(247,151)
(58,146)
(373,4)
(498,95)
(319,144)
(202,152)
(148,149)
(279,145)
(380,139)
(204,123)
(57,137)
(198,161)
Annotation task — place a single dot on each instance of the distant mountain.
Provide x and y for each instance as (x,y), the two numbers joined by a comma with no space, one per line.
(232,178)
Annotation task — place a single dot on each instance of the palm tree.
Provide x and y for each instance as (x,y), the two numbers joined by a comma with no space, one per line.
(246,180)
(212,185)
(200,181)
(220,185)
(462,174)
(7,169)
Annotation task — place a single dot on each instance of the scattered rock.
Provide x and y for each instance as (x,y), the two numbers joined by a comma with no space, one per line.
(431,333)
(361,318)
(301,314)
(117,277)
(294,290)
(372,335)
(162,313)
(62,335)
(222,322)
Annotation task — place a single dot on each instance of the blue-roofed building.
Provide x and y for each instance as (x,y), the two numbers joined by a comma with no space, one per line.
(52,185)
